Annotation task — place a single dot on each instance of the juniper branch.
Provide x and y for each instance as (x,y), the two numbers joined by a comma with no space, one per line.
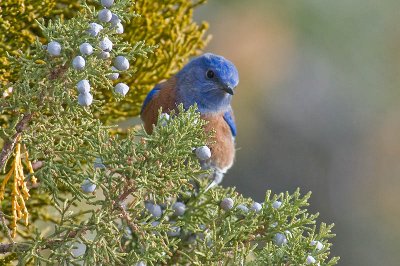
(51,243)
(152,169)
(46,244)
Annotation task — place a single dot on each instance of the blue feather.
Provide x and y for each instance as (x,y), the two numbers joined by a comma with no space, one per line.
(193,86)
(150,96)
(231,122)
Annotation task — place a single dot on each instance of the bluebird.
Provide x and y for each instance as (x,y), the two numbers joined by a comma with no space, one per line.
(208,81)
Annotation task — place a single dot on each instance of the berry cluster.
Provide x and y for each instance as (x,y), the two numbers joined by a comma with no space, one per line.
(105,46)
(227,204)
(280,239)
(158,212)
(177,210)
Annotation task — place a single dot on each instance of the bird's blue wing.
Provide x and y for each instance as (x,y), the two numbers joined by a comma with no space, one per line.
(150,96)
(231,122)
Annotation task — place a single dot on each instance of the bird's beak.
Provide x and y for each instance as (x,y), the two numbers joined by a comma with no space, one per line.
(228,90)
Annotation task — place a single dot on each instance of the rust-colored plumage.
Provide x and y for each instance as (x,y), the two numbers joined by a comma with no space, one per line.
(165,98)
(223,147)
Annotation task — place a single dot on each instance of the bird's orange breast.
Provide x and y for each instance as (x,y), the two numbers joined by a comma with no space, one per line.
(223,146)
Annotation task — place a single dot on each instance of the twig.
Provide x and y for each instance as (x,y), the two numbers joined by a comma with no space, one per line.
(5,248)
(9,145)
(125,194)
(125,216)
(5,227)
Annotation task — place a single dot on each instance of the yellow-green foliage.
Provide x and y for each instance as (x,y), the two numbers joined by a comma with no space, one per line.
(167,24)
(18,30)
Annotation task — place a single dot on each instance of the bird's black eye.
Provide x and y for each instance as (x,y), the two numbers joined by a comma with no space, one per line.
(210,74)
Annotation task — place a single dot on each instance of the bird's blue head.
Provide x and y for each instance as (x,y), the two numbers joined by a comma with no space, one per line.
(208,80)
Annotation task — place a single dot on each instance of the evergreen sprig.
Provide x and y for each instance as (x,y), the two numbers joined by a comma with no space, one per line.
(168,23)
(131,199)
(17,32)
(117,228)
(45,96)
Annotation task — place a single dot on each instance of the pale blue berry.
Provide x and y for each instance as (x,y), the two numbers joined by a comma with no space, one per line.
(121,88)
(164,116)
(107,3)
(119,28)
(85,99)
(104,55)
(154,209)
(113,75)
(86,48)
(54,48)
(163,120)
(191,239)
(78,63)
(87,186)
(83,86)
(317,244)
(280,239)
(179,208)
(115,20)
(276,205)
(94,29)
(203,153)
(243,208)
(155,223)
(78,249)
(310,260)
(106,44)
(175,230)
(256,207)
(140,263)
(98,163)
(226,204)
(105,15)
(127,232)
(121,63)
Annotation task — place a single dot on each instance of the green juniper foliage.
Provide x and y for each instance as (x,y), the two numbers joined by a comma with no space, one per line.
(168,23)
(133,199)
(17,30)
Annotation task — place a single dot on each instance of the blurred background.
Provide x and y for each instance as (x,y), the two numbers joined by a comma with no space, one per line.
(318,108)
